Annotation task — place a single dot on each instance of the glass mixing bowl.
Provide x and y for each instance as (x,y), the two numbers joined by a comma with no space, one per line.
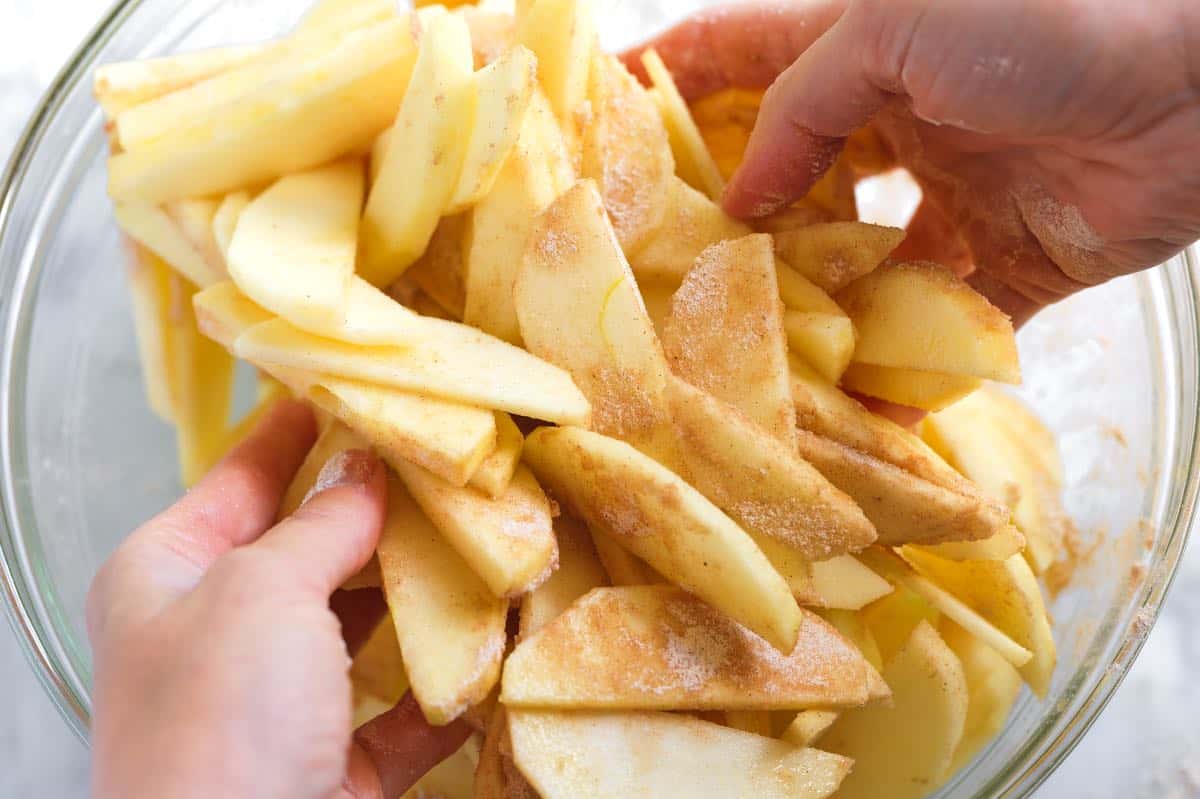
(83,461)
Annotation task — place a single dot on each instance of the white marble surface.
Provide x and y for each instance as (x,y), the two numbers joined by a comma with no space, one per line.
(1147,744)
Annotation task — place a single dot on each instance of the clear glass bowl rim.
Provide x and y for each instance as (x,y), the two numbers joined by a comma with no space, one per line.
(1179,284)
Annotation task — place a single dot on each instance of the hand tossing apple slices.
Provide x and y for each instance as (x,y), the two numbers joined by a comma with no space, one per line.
(475,243)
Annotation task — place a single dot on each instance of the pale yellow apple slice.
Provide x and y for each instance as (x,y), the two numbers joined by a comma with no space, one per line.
(800,294)
(335,439)
(149,288)
(326,15)
(627,152)
(904,750)
(330,106)
(454,363)
(853,627)
(499,228)
(562,34)
(657,297)
(123,85)
(622,566)
(835,254)
(725,333)
(223,313)
(602,755)
(378,666)
(224,222)
(660,518)
(579,571)
(155,230)
(505,90)
(1028,430)
(844,583)
(690,224)
(825,341)
(579,308)
(509,542)
(993,686)
(449,625)
(424,160)
(930,391)
(496,471)
(678,653)
(760,482)
(756,722)
(1002,546)
(808,726)
(891,620)
(920,316)
(294,247)
(696,164)
(453,778)
(904,508)
(1007,594)
(195,220)
(441,271)
(793,567)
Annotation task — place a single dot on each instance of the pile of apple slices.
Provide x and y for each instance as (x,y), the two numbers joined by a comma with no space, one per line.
(478,245)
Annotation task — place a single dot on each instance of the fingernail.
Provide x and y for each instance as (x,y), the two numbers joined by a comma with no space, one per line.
(354,467)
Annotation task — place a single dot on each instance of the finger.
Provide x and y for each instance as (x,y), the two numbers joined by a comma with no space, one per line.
(334,533)
(234,504)
(832,89)
(360,613)
(744,46)
(398,748)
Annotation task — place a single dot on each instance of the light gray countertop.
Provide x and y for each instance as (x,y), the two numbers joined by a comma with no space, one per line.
(1147,744)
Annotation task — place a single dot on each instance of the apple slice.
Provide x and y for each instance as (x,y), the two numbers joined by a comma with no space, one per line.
(154,229)
(224,221)
(930,391)
(658,297)
(562,34)
(328,15)
(424,160)
(495,474)
(505,90)
(223,313)
(622,566)
(808,726)
(690,224)
(903,750)
(441,271)
(449,625)
(294,246)
(455,363)
(509,542)
(835,254)
(760,482)
(627,152)
(194,219)
(854,628)
(149,288)
(579,571)
(696,164)
(921,316)
(121,86)
(331,104)
(756,722)
(826,341)
(725,333)
(335,439)
(1028,430)
(1007,594)
(678,654)
(657,516)
(800,294)
(602,755)
(844,583)
(378,666)
(993,686)
(1002,546)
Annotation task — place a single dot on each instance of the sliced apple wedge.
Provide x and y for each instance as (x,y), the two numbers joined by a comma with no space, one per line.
(121,86)
(223,313)
(602,755)
(921,316)
(725,333)
(854,628)
(844,583)
(993,686)
(495,474)
(330,14)
(808,726)
(1002,546)
(679,654)
(929,391)
(149,288)
(696,164)
(449,625)
(424,160)
(800,294)
(378,667)
(903,749)
(441,271)
(335,439)
(1028,430)
(224,222)
(579,571)
(294,246)
(154,229)
(826,341)
(660,518)
(562,34)
(194,218)
(756,722)
(691,224)
(509,542)
(622,566)
(835,254)
(330,105)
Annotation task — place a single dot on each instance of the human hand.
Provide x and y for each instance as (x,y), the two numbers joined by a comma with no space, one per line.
(1057,139)
(220,668)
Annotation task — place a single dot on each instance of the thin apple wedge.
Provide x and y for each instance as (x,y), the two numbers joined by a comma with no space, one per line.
(335,439)
(149,288)
(725,333)
(678,654)
(801,294)
(194,218)
(691,224)
(929,391)
(441,271)
(921,316)
(579,571)
(657,516)
(627,152)
(449,625)
(622,566)
(853,627)
(223,313)
(294,247)
(154,229)
(329,106)
(424,159)
(562,34)
(495,473)
(844,583)
(808,726)
(325,15)
(1007,594)
(993,686)
(1027,429)
(601,755)
(1002,546)
(121,86)
(696,164)
(903,750)
(826,341)
(835,254)
(509,542)
(378,667)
